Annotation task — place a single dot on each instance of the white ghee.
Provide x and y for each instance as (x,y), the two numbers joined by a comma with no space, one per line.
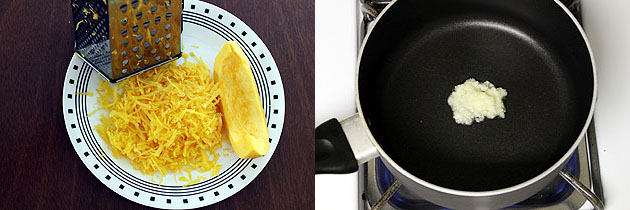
(476,101)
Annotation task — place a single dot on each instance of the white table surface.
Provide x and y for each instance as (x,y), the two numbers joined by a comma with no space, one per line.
(607,24)
(335,61)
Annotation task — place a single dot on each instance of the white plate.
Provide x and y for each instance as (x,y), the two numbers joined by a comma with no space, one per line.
(205,29)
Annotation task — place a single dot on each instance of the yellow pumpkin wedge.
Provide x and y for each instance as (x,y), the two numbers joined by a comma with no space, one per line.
(243,116)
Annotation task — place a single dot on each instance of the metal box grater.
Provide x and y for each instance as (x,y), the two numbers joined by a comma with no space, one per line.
(121,38)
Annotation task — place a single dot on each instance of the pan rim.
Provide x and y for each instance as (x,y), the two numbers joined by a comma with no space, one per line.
(553,169)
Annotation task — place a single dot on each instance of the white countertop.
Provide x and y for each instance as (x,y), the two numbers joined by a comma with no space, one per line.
(607,24)
(335,60)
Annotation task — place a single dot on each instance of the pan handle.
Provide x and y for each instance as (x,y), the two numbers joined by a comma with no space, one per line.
(585,191)
(332,150)
(341,146)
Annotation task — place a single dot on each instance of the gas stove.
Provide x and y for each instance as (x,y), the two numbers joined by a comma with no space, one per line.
(375,179)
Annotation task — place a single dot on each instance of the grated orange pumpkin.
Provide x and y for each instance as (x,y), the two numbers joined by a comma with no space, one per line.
(165,119)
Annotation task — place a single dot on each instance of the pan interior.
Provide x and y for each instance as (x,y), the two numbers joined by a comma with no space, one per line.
(406,78)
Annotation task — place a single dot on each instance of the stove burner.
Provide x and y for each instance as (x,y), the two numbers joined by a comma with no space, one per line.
(556,191)
(374,179)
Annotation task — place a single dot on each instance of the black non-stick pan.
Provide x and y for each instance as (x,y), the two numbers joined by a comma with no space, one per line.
(419,50)
(406,78)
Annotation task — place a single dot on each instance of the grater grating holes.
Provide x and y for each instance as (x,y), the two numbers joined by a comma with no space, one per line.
(142,13)
(123,33)
(124,71)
